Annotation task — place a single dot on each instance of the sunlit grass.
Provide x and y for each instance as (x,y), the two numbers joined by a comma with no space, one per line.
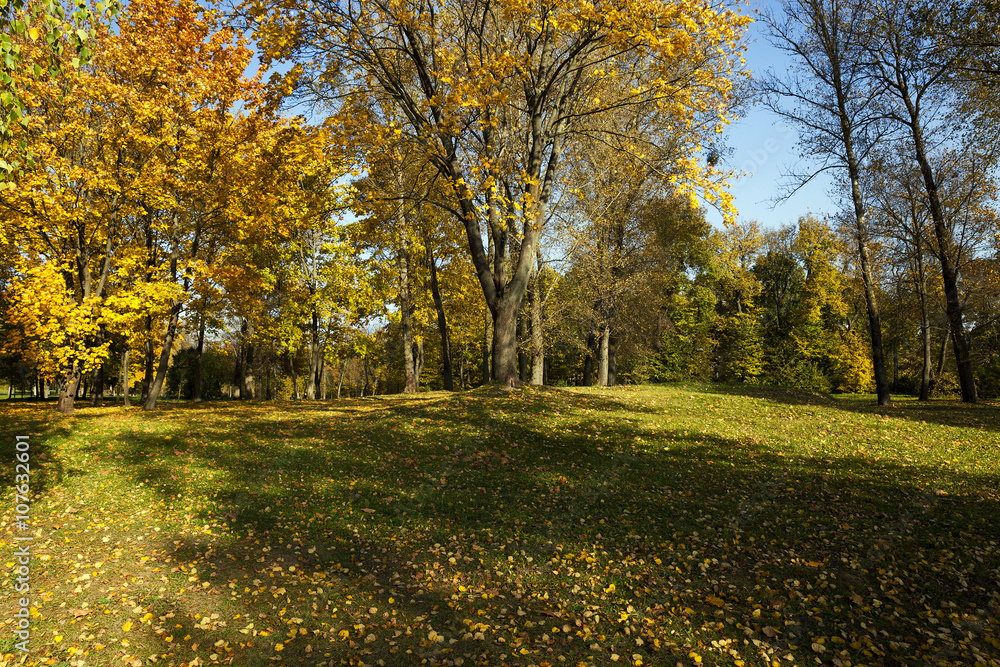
(653,525)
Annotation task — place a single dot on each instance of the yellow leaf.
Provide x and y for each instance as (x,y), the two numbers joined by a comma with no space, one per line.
(279,647)
(58,639)
(33,33)
(127,626)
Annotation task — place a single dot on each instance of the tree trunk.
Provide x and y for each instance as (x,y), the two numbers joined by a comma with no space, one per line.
(588,361)
(161,370)
(315,359)
(322,378)
(412,377)
(505,341)
(97,386)
(67,390)
(488,329)
(197,359)
(537,334)
(340,380)
(292,374)
(125,378)
(447,372)
(612,361)
(522,354)
(249,382)
(147,375)
(946,249)
(602,355)
(942,359)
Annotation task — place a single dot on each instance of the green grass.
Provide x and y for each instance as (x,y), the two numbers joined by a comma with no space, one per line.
(652,525)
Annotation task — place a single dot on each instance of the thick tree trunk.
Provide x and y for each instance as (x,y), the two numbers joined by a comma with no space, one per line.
(67,390)
(447,373)
(505,341)
(603,344)
(249,381)
(97,386)
(164,363)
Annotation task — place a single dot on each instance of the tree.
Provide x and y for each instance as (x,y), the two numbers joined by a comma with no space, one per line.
(828,94)
(920,86)
(495,93)
(45,20)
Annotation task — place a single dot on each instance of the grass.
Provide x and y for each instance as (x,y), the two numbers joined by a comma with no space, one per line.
(653,525)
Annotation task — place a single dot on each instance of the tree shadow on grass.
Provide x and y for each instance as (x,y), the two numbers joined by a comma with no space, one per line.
(469,511)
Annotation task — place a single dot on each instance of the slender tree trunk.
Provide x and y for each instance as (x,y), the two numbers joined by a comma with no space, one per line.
(946,248)
(412,378)
(199,351)
(488,328)
(588,361)
(612,361)
(447,373)
(125,377)
(292,374)
(148,360)
(235,391)
(895,343)
(537,334)
(161,369)
(315,359)
(249,381)
(942,359)
(340,379)
(522,354)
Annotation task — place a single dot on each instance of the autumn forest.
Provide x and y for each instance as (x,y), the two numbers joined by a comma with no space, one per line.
(428,332)
(416,197)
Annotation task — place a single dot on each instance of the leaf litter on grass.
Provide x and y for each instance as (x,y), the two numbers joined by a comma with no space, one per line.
(652,525)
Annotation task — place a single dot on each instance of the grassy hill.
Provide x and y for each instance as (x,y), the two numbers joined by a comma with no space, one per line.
(650,525)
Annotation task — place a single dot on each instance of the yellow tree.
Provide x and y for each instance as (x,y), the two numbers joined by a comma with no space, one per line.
(129,158)
(495,93)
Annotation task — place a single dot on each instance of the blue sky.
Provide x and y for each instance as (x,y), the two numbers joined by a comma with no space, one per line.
(765,147)
(762,145)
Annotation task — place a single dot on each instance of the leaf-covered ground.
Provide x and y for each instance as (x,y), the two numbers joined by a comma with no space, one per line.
(652,525)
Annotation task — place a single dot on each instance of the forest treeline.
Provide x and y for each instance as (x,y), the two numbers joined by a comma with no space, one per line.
(490,192)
